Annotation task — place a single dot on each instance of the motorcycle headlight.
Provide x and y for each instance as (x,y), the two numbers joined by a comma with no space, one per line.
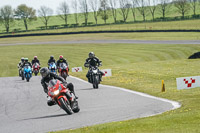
(56,92)
(95,71)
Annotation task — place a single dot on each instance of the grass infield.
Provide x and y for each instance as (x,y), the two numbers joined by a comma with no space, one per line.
(139,67)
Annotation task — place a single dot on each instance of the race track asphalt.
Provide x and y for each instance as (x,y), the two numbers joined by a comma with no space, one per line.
(23,107)
(110,42)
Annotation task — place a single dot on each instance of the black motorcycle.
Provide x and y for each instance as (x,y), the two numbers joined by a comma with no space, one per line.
(95,76)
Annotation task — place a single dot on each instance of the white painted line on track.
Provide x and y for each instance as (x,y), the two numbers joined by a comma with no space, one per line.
(175,104)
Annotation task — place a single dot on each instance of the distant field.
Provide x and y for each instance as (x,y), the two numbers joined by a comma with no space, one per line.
(55,20)
(172,25)
(139,67)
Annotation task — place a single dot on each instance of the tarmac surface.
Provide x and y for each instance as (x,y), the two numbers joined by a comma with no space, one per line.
(23,107)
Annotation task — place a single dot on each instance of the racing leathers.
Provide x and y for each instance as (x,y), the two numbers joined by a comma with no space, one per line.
(35,61)
(61,61)
(50,76)
(92,62)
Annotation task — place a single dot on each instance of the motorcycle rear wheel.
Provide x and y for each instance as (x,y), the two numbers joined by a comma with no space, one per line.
(65,106)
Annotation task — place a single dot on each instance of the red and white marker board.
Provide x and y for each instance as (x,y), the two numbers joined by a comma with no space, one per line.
(188,82)
(77,69)
(107,72)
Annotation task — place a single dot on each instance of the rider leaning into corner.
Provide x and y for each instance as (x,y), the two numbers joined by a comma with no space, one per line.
(92,61)
(35,60)
(47,76)
(61,60)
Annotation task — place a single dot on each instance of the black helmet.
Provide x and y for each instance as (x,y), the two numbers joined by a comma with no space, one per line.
(91,55)
(51,57)
(44,72)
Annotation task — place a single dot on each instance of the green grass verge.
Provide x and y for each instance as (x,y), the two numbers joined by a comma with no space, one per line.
(139,67)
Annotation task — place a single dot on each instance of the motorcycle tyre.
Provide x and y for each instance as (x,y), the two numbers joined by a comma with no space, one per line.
(95,82)
(65,106)
(77,109)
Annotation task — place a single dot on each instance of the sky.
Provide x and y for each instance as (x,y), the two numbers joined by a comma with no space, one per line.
(53,4)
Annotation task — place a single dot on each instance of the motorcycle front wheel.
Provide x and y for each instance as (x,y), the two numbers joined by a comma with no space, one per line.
(65,106)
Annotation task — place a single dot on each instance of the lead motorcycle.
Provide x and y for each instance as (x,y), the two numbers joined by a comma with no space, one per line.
(36,68)
(52,67)
(95,76)
(27,73)
(63,70)
(58,93)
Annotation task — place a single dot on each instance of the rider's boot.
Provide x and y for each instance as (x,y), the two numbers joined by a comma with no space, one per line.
(50,101)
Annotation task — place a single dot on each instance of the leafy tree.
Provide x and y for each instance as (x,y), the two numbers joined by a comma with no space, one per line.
(104,10)
(182,6)
(25,13)
(7,16)
(164,7)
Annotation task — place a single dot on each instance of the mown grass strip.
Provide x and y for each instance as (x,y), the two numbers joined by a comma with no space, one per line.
(139,67)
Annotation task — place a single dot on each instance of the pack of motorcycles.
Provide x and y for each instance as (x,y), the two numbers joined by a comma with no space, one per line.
(57,91)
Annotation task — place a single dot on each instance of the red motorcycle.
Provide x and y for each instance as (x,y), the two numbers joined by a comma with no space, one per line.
(63,70)
(63,97)
(36,68)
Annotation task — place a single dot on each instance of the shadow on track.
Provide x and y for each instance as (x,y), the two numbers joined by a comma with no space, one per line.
(44,117)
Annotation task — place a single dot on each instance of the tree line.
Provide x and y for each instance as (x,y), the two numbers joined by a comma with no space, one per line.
(102,8)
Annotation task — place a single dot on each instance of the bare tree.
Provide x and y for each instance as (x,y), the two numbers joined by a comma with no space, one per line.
(25,13)
(152,5)
(113,7)
(63,11)
(45,13)
(133,8)
(104,10)
(142,8)
(75,8)
(182,6)
(85,10)
(164,7)
(7,16)
(94,4)
(124,8)
(194,4)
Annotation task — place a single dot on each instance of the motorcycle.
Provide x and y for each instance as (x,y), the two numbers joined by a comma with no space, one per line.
(59,94)
(95,75)
(52,67)
(27,73)
(63,70)
(36,68)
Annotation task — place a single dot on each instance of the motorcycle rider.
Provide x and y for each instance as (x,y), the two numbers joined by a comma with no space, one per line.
(51,59)
(26,63)
(47,76)
(20,65)
(61,60)
(92,61)
(35,60)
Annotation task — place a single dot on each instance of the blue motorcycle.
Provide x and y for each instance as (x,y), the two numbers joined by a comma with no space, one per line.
(27,72)
(52,67)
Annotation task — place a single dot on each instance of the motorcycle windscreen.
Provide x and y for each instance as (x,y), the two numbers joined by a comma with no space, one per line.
(52,83)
